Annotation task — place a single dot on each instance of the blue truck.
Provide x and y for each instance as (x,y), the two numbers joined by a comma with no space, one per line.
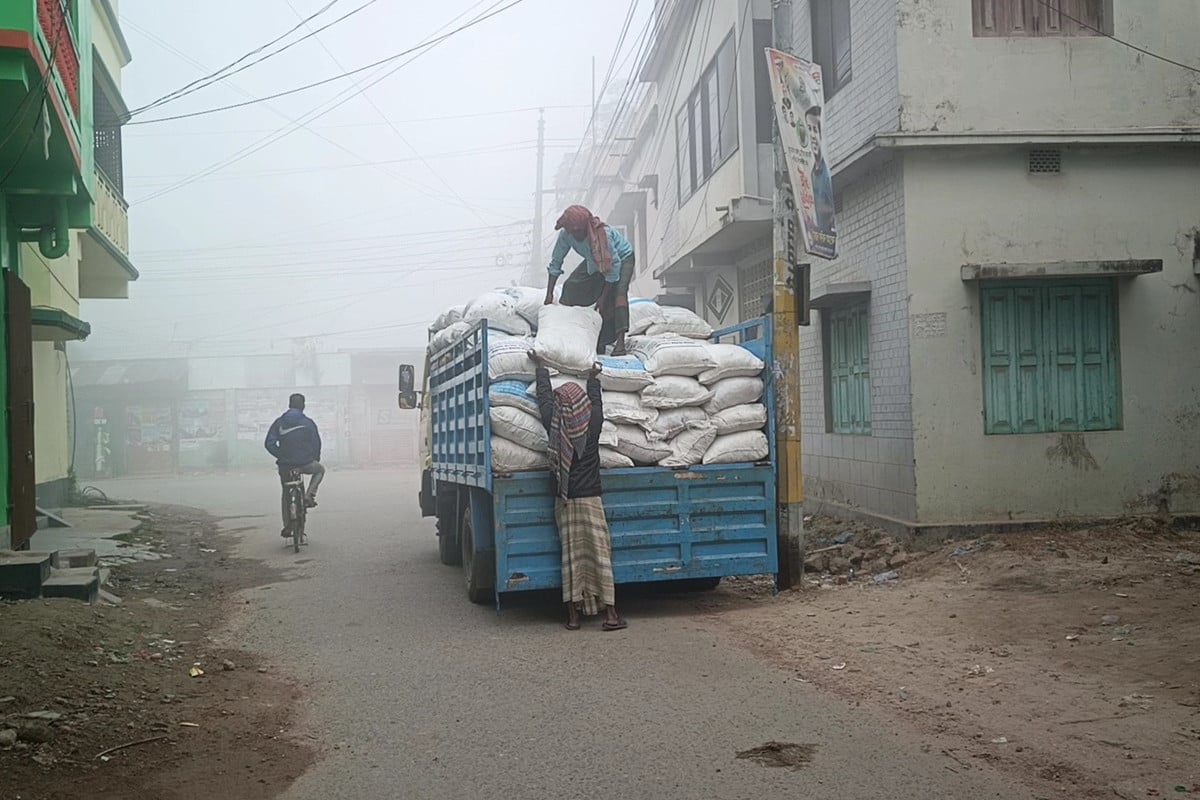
(694,526)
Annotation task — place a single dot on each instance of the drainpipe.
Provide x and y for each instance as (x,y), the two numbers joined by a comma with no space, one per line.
(53,240)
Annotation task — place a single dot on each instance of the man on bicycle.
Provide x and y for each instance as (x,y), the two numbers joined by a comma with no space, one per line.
(296,445)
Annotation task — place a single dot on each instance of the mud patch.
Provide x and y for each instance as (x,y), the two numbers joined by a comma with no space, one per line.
(1072,451)
(780,754)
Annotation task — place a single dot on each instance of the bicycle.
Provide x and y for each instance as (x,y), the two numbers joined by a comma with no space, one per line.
(295,508)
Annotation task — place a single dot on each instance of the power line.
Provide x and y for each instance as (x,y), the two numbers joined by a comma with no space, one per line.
(221,74)
(396,131)
(1107,35)
(381,62)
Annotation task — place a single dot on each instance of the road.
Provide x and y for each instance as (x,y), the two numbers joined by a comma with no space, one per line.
(410,691)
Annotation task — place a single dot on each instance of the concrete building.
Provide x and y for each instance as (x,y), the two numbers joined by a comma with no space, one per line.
(1008,331)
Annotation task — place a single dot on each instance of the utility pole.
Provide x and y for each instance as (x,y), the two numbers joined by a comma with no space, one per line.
(535,260)
(786,333)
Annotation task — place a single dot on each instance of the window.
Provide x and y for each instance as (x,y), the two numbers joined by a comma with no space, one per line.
(1050,357)
(706,126)
(764,103)
(756,284)
(1038,17)
(831,42)
(847,370)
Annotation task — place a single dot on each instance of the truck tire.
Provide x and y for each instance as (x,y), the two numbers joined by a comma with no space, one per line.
(696,584)
(449,552)
(477,567)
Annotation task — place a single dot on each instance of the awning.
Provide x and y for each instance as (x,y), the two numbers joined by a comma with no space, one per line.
(1128,268)
(833,295)
(56,325)
(747,221)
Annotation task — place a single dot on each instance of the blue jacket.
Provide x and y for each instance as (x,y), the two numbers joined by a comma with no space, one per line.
(294,440)
(618,246)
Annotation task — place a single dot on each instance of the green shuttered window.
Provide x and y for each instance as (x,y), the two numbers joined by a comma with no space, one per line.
(849,349)
(1050,357)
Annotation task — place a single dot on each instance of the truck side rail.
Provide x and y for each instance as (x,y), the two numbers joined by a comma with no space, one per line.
(461,435)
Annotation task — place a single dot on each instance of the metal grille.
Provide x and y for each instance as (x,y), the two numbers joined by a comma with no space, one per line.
(754,287)
(1045,162)
(107,142)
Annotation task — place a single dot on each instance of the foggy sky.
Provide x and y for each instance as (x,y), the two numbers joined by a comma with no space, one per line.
(299,238)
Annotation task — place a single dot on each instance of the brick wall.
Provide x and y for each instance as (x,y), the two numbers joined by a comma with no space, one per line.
(874,473)
(870,102)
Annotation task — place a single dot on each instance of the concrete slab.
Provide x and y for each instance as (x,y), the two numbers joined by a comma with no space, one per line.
(73,559)
(97,531)
(22,574)
(76,584)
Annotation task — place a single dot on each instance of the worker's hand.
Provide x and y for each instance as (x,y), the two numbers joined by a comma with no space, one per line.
(597,368)
(536,358)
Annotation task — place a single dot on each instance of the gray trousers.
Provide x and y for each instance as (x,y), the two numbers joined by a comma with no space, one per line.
(314,468)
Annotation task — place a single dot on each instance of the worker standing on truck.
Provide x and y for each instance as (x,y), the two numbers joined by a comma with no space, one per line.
(573,418)
(601,280)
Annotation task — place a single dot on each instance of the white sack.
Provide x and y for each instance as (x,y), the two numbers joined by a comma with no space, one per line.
(513,394)
(675,391)
(566,338)
(681,321)
(520,427)
(448,318)
(555,382)
(733,361)
(673,355)
(529,302)
(451,333)
(734,392)
(634,444)
(642,314)
(623,374)
(689,447)
(674,421)
(747,447)
(611,459)
(511,457)
(747,417)
(508,358)
(608,435)
(500,311)
(627,408)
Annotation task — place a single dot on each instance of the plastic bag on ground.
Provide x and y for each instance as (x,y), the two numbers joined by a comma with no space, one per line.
(510,457)
(746,417)
(674,421)
(500,311)
(672,355)
(734,392)
(627,408)
(737,448)
(566,338)
(733,361)
(675,391)
(513,394)
(611,459)
(520,427)
(451,333)
(633,443)
(508,358)
(682,321)
(529,302)
(689,447)
(623,374)
(642,314)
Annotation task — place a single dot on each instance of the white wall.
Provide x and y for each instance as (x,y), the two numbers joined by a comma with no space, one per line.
(51,417)
(870,103)
(872,472)
(952,81)
(983,207)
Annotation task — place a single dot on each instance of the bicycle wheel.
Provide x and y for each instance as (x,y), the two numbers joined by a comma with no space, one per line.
(296,511)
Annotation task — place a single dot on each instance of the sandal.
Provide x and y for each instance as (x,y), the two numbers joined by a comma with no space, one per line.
(572,626)
(619,625)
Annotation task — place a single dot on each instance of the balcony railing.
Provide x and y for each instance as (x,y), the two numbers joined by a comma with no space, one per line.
(112,213)
(56,28)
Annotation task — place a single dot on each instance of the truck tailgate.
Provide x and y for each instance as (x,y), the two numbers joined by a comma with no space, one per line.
(701,523)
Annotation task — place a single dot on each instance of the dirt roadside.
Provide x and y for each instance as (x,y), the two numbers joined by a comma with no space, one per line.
(1069,658)
(77,680)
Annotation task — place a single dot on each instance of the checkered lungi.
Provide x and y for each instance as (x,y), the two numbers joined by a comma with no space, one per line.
(587,576)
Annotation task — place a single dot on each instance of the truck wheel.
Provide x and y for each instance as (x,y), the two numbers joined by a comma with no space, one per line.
(477,567)
(697,584)
(449,553)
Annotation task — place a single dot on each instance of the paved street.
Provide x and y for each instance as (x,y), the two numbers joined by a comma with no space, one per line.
(410,691)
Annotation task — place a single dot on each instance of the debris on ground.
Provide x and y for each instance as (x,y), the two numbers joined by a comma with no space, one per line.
(780,754)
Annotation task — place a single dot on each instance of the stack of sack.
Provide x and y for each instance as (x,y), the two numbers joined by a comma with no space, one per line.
(677,400)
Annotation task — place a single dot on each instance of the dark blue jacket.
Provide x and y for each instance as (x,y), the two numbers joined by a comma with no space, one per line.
(294,440)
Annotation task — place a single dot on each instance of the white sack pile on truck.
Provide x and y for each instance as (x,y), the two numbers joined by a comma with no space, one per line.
(675,400)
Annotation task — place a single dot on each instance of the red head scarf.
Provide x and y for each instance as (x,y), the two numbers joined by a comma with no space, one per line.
(577,218)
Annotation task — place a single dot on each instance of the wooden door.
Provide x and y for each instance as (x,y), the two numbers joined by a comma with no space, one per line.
(22,481)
